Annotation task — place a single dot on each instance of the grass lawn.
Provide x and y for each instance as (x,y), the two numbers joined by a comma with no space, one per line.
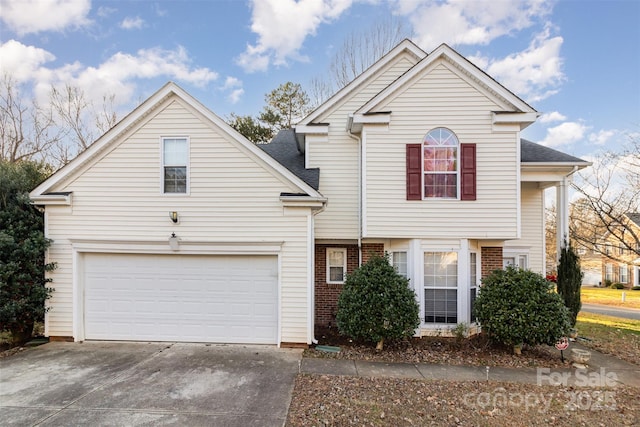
(606,296)
(612,335)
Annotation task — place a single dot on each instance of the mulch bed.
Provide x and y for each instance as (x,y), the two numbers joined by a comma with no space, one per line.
(324,400)
(473,351)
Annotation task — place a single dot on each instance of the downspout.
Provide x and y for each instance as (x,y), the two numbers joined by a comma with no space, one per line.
(359,141)
(311,267)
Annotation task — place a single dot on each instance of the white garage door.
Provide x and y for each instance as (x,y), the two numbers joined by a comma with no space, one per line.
(223,299)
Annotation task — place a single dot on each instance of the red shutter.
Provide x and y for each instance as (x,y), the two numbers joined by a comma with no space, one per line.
(414,171)
(468,171)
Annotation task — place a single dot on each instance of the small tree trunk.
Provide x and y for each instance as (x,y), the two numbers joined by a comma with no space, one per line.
(380,344)
(21,335)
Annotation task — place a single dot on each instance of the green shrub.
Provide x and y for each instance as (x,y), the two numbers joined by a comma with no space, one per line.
(377,304)
(569,281)
(617,286)
(636,288)
(23,286)
(608,283)
(517,306)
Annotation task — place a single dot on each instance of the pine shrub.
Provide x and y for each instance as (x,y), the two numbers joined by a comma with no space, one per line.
(570,281)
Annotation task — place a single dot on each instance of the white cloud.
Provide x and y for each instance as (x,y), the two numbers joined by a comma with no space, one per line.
(33,16)
(282,26)
(464,22)
(235,85)
(551,117)
(533,74)
(566,133)
(105,12)
(602,137)
(130,23)
(235,95)
(117,75)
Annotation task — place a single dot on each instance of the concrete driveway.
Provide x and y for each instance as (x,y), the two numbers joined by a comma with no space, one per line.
(115,383)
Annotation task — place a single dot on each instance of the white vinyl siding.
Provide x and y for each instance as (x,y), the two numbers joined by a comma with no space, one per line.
(441,98)
(532,230)
(234,197)
(337,157)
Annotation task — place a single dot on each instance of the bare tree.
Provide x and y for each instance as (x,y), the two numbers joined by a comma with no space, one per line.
(358,52)
(609,190)
(54,133)
(27,131)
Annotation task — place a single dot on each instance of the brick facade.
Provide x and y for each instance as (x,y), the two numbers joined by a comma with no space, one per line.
(326,294)
(491,260)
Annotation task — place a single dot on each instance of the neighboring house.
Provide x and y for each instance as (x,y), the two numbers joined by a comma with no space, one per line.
(621,264)
(173,227)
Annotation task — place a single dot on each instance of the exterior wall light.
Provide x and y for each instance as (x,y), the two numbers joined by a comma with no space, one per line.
(174,244)
(174,216)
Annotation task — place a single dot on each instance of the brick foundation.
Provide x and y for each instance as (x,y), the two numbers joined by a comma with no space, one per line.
(491,260)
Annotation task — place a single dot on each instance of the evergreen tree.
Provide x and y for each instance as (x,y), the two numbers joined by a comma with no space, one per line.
(570,281)
(23,289)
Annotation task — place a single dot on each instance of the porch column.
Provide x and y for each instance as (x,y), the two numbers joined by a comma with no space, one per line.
(562,215)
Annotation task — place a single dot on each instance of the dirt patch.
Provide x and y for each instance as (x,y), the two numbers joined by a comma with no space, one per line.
(322,400)
(474,351)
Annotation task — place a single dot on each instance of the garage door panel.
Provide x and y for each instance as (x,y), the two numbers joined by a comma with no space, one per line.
(181,298)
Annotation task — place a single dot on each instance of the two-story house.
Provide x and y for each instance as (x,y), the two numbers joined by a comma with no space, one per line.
(620,258)
(174,227)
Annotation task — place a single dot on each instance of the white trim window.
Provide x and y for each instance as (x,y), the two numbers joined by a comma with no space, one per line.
(608,272)
(441,287)
(399,262)
(175,159)
(473,284)
(336,265)
(623,273)
(440,164)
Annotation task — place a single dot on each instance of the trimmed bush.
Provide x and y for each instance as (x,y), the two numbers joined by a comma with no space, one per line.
(518,306)
(569,281)
(377,304)
(617,286)
(636,288)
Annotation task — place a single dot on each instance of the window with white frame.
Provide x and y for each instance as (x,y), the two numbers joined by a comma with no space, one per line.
(608,248)
(624,274)
(473,283)
(516,260)
(399,262)
(336,265)
(440,164)
(608,272)
(175,159)
(441,287)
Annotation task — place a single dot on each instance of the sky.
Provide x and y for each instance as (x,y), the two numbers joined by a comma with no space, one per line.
(575,61)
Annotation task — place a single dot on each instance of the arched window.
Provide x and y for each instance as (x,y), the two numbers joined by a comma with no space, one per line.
(440,164)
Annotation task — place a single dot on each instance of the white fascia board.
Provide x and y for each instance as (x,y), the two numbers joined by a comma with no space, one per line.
(356,121)
(52,199)
(405,45)
(186,247)
(303,201)
(312,129)
(523,119)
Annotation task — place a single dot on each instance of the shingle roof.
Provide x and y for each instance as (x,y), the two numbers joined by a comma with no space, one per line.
(530,152)
(284,149)
(634,217)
